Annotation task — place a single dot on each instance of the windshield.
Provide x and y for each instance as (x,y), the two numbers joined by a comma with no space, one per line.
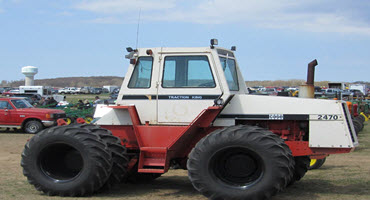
(21,103)
(229,67)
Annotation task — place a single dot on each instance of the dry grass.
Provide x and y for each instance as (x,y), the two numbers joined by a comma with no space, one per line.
(343,177)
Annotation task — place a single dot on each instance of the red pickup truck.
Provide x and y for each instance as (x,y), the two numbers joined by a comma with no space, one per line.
(18,113)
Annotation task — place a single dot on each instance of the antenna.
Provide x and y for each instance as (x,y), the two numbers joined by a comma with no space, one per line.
(138,27)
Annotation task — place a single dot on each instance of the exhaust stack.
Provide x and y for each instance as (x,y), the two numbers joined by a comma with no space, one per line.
(308,90)
(311,72)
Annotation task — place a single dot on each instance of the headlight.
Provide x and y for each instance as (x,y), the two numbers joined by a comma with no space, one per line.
(49,115)
(219,101)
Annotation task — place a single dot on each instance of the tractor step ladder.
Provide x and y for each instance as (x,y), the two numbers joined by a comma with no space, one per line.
(152,160)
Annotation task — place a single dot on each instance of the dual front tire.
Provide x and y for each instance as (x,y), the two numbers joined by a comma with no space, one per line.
(240,162)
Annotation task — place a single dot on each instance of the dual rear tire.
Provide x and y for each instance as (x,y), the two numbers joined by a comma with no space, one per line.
(73,160)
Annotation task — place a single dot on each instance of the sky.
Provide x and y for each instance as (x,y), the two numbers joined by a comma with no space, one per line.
(275,39)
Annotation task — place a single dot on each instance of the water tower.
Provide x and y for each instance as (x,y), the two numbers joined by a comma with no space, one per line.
(29,72)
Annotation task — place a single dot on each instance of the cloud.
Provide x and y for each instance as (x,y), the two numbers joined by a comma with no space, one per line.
(339,16)
(65,13)
(106,20)
(1,10)
(124,6)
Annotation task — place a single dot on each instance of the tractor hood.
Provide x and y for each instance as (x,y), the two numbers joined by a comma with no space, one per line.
(258,104)
(329,116)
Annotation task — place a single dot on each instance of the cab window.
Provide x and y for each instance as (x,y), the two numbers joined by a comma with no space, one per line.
(187,72)
(229,67)
(142,75)
(5,105)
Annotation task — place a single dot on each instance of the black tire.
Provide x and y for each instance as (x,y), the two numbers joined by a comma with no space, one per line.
(360,118)
(239,162)
(317,164)
(357,126)
(119,156)
(66,161)
(290,156)
(33,127)
(302,163)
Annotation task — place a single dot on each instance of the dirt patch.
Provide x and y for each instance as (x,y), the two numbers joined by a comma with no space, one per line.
(343,177)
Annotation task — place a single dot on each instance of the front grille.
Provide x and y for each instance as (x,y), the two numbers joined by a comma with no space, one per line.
(59,115)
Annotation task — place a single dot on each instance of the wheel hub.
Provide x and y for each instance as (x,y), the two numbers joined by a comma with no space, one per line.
(236,166)
(60,162)
(240,165)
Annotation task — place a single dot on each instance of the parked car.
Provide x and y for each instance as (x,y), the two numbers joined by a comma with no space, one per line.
(346,93)
(332,92)
(105,90)
(67,90)
(54,91)
(114,96)
(85,90)
(19,113)
(96,90)
(115,91)
(271,91)
(318,92)
(10,92)
(78,91)
(353,92)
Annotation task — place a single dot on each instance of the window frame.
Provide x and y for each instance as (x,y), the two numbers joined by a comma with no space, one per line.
(25,102)
(209,65)
(10,106)
(236,71)
(151,74)
(7,105)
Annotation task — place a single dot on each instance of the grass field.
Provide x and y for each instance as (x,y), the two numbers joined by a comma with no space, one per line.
(343,177)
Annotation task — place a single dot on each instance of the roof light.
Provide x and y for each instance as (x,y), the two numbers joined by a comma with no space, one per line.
(129,49)
(213,42)
(233,48)
(133,61)
(149,52)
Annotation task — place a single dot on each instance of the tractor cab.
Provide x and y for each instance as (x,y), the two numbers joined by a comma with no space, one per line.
(173,85)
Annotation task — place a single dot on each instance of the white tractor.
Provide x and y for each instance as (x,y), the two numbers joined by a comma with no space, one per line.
(190,107)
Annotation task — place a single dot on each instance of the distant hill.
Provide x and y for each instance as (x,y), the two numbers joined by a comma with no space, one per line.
(294,82)
(93,81)
(280,83)
(100,81)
